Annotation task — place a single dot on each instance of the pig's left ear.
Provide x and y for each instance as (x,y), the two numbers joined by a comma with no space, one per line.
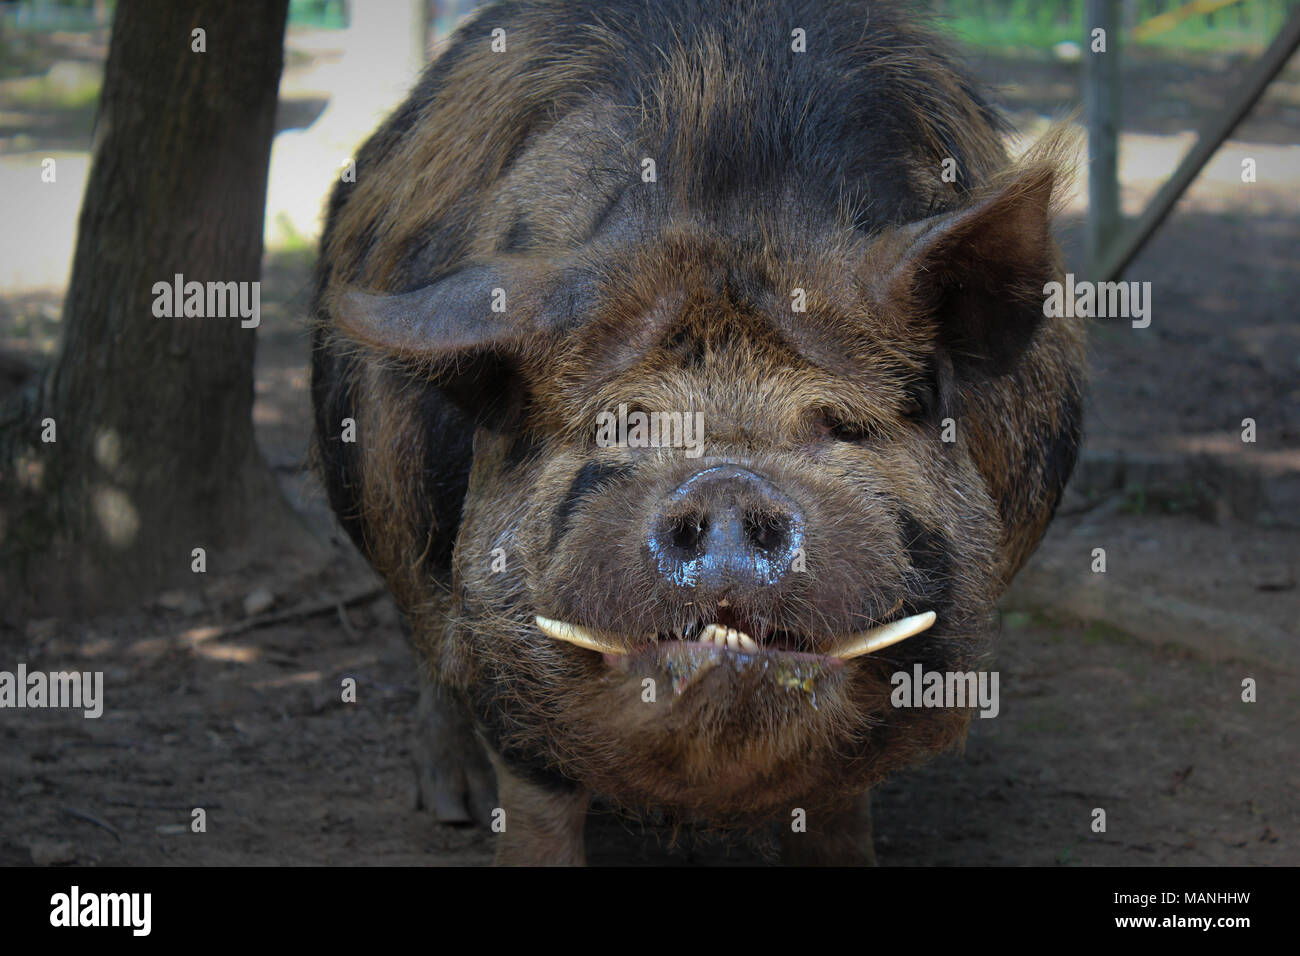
(500,309)
(979,272)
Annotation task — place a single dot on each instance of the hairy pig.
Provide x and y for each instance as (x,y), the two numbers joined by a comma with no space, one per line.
(683,368)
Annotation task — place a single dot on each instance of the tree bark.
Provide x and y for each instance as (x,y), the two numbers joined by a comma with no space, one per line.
(155,453)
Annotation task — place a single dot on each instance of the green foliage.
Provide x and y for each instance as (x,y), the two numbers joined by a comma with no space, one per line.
(43,93)
(44,16)
(292,242)
(1027,26)
(1021,25)
(329,14)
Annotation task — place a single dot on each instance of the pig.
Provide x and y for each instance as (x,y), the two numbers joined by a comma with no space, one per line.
(595,225)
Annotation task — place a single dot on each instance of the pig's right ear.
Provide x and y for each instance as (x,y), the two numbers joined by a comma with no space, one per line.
(477,310)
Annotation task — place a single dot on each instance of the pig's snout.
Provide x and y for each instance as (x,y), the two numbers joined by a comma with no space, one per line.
(723,527)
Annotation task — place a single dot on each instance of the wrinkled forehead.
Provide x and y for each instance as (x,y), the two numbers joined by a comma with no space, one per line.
(690,290)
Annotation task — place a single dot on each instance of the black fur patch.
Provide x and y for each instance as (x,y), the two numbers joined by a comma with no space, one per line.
(491,710)
(589,477)
(1063,447)
(932,564)
(447,457)
(519,238)
(340,465)
(688,348)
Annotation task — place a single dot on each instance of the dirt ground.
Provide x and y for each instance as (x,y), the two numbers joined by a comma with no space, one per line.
(1120,691)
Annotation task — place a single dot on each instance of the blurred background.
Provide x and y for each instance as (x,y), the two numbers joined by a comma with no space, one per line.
(1120,689)
(346,68)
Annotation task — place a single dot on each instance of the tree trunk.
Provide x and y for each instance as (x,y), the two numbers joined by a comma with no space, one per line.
(155,453)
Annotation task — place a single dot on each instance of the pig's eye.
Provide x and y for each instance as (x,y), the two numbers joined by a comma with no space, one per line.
(921,400)
(914,408)
(921,396)
(838,429)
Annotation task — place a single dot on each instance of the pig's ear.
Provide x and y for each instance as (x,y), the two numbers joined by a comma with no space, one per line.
(979,272)
(477,310)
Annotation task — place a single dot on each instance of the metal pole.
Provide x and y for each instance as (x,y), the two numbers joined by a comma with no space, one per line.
(1212,136)
(1101,98)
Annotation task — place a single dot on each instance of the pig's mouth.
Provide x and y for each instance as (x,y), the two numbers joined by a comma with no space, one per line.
(728,635)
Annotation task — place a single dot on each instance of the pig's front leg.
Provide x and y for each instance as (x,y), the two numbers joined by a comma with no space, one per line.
(453,777)
(542,826)
(832,838)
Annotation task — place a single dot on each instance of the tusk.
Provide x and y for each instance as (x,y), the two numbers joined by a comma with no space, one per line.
(878,638)
(573,634)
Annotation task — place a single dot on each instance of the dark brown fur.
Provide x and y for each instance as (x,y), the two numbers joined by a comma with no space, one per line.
(521,171)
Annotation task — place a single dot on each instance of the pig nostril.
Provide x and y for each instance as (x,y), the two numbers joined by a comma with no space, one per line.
(766,532)
(687,532)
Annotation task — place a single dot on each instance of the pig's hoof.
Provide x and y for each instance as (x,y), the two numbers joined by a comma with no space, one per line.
(455,794)
(453,777)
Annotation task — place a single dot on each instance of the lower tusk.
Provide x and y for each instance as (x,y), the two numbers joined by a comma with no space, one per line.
(573,634)
(878,638)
